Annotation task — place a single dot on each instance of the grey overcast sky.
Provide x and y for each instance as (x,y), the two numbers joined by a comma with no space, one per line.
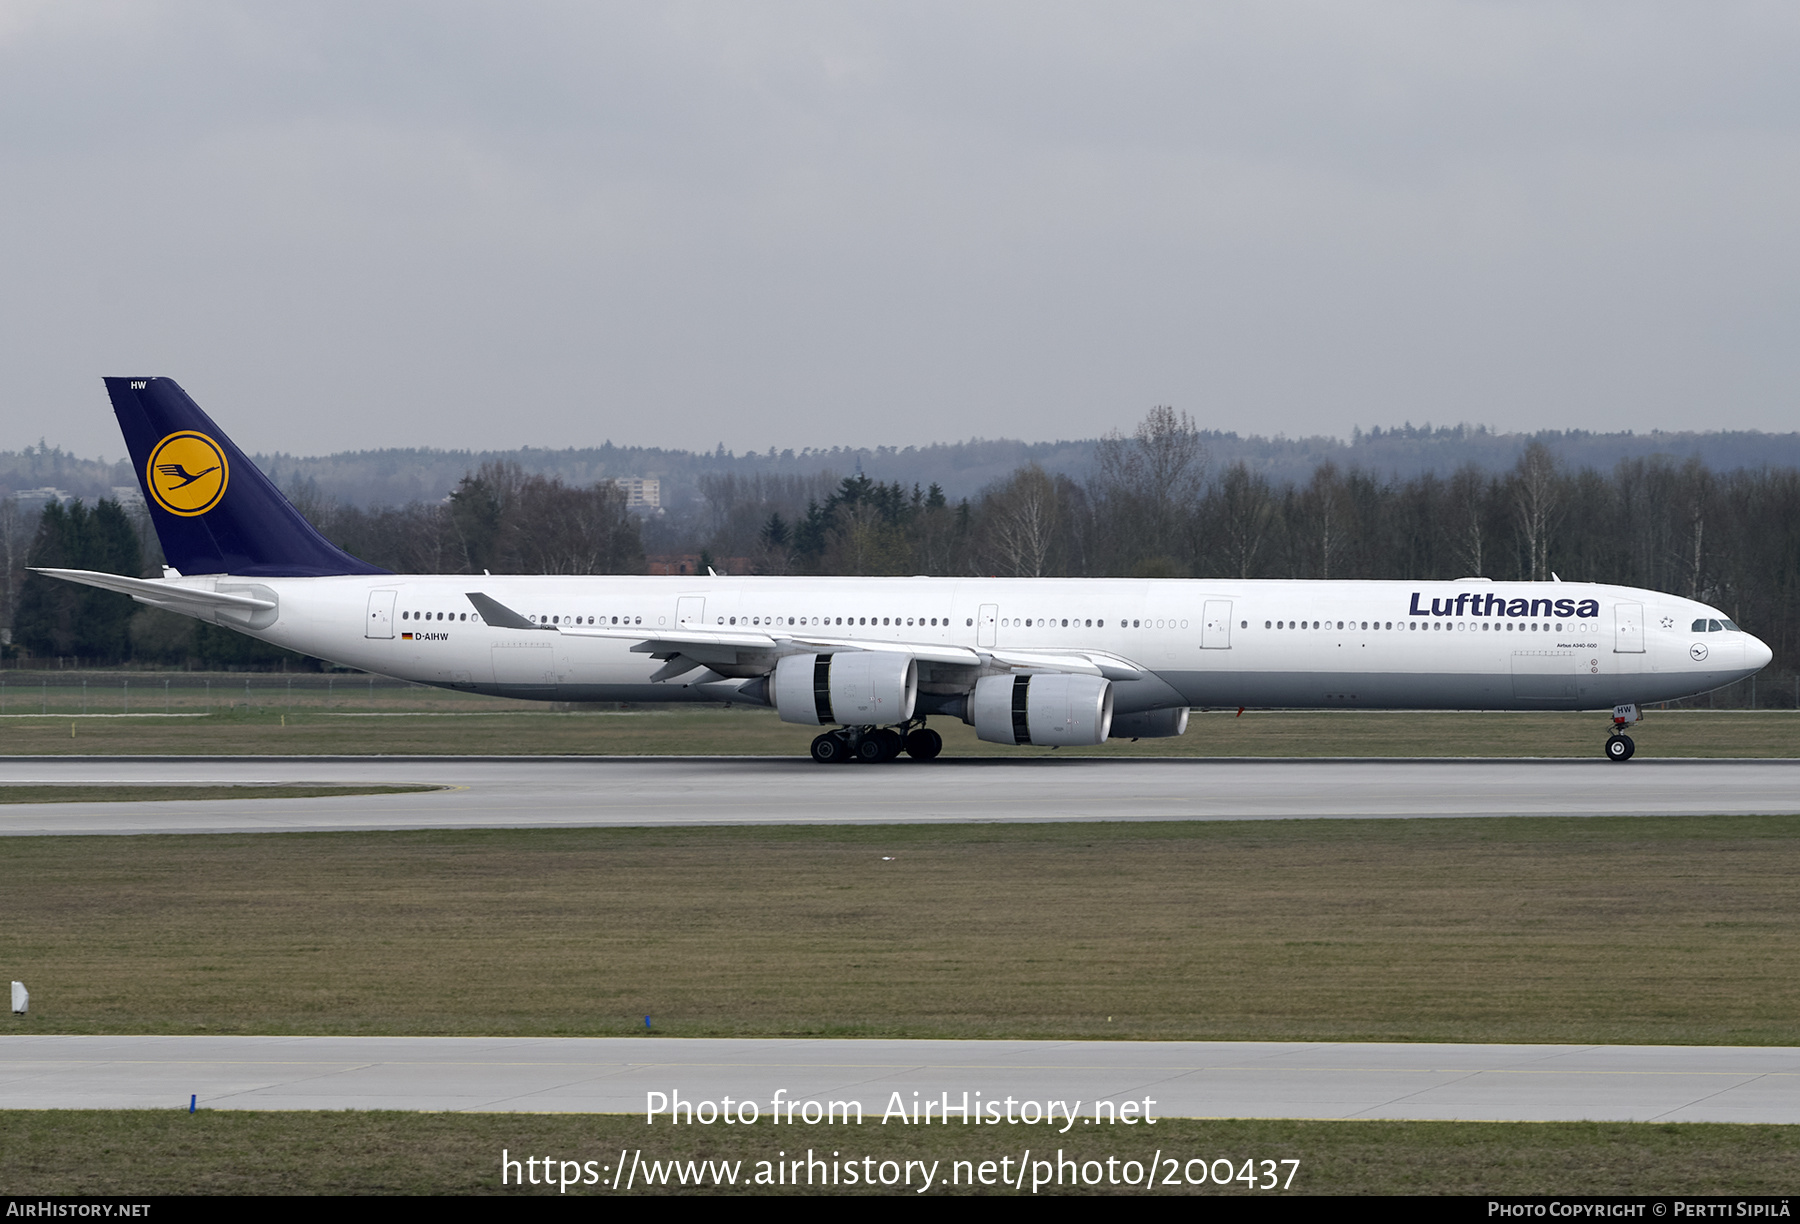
(349,225)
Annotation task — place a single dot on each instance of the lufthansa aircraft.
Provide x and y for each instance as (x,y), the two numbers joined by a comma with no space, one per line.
(1043,661)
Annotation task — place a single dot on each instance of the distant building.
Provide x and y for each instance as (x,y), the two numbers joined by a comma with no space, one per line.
(690,563)
(130,499)
(641,492)
(37,499)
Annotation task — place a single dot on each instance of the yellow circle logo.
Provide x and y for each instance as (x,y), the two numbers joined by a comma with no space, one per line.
(187,474)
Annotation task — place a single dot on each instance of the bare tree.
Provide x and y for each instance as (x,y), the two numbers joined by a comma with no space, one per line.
(555,529)
(1244,510)
(1326,511)
(1694,489)
(1020,522)
(1148,486)
(1536,498)
(1469,491)
(17,530)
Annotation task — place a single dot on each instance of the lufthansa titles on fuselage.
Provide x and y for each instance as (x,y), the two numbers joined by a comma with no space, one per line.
(1477,603)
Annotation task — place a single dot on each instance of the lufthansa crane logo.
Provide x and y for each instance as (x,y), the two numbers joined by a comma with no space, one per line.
(187,473)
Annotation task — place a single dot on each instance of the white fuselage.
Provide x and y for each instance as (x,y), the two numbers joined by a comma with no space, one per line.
(1202,642)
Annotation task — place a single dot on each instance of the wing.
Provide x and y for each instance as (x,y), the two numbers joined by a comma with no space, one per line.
(698,645)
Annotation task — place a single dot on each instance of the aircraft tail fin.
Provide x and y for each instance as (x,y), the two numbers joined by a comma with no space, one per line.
(213,510)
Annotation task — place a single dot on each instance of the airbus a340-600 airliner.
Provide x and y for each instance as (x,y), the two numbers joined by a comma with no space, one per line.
(1045,661)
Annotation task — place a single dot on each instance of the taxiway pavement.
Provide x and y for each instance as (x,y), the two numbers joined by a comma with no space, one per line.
(545,792)
(1181,1079)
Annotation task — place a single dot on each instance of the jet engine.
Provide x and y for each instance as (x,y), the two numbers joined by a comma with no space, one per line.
(860,688)
(1049,708)
(1150,724)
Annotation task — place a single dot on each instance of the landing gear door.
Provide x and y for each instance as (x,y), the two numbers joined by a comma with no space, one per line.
(984,625)
(380,623)
(1215,628)
(1628,628)
(690,612)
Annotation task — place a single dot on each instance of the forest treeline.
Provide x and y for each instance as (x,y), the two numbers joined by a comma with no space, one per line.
(393,477)
(1153,504)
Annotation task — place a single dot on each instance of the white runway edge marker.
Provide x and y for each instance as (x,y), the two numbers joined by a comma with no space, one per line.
(21,998)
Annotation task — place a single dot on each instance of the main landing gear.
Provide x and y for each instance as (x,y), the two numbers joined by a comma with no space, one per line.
(873,744)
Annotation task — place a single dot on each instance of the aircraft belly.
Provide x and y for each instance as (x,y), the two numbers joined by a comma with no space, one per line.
(1367,690)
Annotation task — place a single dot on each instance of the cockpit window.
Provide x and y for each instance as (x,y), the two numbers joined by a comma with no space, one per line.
(1700,625)
(1733,628)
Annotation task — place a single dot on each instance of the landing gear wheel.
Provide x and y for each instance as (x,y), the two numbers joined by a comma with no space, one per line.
(924,744)
(871,749)
(1620,748)
(829,749)
(891,743)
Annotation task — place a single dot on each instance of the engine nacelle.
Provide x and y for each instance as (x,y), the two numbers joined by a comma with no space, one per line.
(858,688)
(1049,708)
(1150,724)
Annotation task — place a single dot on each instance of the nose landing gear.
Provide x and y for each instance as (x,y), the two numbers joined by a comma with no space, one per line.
(1619,746)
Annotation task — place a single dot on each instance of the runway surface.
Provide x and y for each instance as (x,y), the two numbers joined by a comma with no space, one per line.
(530,792)
(1181,1079)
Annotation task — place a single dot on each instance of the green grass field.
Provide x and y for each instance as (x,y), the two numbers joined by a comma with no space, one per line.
(453,724)
(1636,930)
(134,1152)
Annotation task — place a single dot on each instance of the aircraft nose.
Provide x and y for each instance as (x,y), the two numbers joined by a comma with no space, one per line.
(1757,653)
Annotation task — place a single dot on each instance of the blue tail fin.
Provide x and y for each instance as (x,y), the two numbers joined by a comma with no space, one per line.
(214,512)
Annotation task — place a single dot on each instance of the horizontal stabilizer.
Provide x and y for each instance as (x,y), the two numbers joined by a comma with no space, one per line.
(163,593)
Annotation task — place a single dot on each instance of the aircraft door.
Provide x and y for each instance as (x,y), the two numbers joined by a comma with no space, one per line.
(1628,628)
(1215,628)
(984,625)
(690,612)
(380,623)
